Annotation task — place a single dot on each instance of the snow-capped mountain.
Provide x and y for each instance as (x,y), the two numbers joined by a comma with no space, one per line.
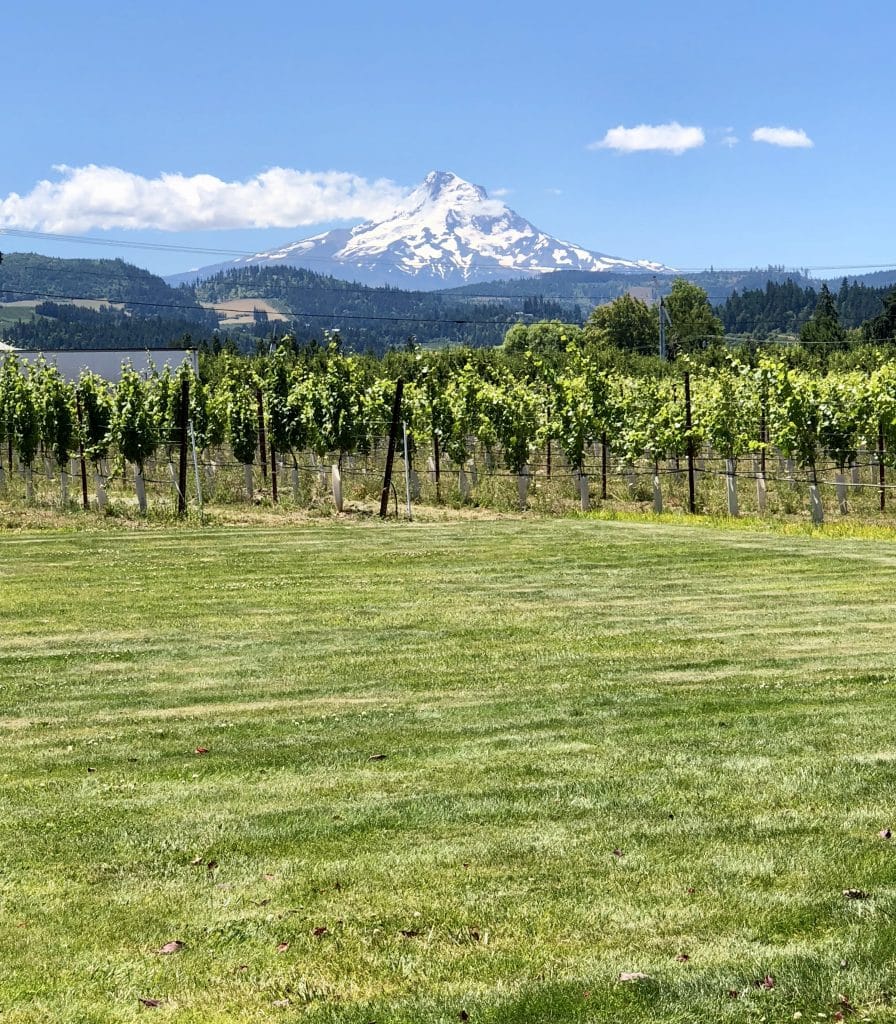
(446,232)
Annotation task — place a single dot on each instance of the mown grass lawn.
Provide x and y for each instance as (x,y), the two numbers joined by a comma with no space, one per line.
(454,771)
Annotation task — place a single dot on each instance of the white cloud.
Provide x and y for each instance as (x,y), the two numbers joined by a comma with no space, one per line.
(730,141)
(789,137)
(499,193)
(667,138)
(91,197)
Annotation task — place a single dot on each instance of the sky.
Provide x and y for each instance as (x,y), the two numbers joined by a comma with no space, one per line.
(726,134)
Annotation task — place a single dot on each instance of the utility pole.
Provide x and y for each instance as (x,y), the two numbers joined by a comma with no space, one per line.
(665,320)
(662,329)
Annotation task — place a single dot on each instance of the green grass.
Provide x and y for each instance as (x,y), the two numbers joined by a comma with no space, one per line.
(715,706)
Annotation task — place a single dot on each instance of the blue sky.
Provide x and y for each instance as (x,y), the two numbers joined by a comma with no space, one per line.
(557,108)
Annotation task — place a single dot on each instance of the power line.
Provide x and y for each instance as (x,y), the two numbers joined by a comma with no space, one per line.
(298,314)
(243,254)
(716,296)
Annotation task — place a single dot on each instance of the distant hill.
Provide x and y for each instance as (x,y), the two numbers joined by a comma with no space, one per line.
(874,279)
(366,317)
(30,276)
(129,307)
(138,309)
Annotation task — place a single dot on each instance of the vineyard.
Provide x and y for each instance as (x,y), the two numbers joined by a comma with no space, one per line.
(455,429)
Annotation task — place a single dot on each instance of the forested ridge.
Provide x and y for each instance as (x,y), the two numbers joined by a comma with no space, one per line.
(141,309)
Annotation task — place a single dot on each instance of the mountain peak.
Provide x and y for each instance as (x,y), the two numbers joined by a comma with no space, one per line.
(446,184)
(445,232)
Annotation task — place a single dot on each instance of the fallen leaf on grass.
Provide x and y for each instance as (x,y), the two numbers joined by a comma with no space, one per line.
(884,833)
(174,946)
(856,894)
(463,1015)
(282,947)
(196,862)
(320,931)
(201,750)
(845,1005)
(410,933)
(733,993)
(634,976)
(682,958)
(152,1003)
(281,1004)
(618,853)
(377,757)
(768,982)
(89,770)
(212,864)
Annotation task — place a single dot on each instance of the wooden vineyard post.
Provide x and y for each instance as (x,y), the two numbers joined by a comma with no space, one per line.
(85,500)
(262,438)
(183,416)
(603,466)
(692,502)
(880,467)
(436,458)
(407,466)
(761,485)
(196,467)
(815,506)
(390,449)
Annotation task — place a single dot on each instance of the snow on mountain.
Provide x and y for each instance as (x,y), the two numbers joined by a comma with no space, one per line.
(446,232)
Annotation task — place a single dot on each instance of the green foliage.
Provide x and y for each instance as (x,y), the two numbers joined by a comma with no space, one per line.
(461,405)
(882,328)
(22,411)
(338,406)
(694,324)
(652,417)
(726,409)
(824,328)
(136,429)
(846,416)
(881,392)
(236,404)
(56,404)
(97,413)
(545,339)
(794,414)
(625,323)
(514,413)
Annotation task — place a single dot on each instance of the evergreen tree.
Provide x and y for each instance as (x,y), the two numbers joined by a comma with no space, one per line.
(882,327)
(824,327)
(694,324)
